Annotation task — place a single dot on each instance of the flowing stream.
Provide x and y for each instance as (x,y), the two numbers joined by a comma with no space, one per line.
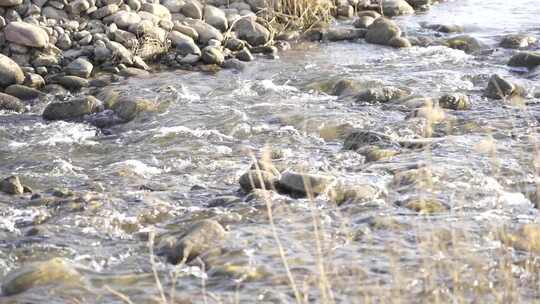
(165,170)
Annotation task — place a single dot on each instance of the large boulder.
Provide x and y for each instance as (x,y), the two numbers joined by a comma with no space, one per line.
(396,8)
(385,32)
(72,109)
(10,72)
(53,272)
(10,103)
(249,30)
(26,34)
(525,59)
(199,238)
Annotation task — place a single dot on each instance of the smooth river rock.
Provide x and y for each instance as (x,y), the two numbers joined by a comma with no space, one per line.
(23,92)
(10,103)
(26,34)
(386,32)
(52,272)
(304,183)
(11,185)
(525,59)
(10,72)
(71,109)
(197,239)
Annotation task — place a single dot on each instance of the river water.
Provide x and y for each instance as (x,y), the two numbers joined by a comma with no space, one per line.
(163,171)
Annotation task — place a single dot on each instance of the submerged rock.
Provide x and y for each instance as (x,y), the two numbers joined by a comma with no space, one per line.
(53,272)
(352,193)
(127,109)
(424,205)
(11,185)
(72,109)
(526,238)
(525,59)
(361,138)
(444,28)
(304,183)
(383,94)
(199,238)
(340,34)
(464,43)
(517,41)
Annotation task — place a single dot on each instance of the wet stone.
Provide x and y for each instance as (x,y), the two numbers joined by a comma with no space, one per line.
(257,179)
(382,95)
(197,239)
(499,88)
(10,103)
(11,185)
(303,184)
(23,92)
(525,59)
(455,101)
(71,109)
(362,138)
(517,41)
(53,272)
(424,205)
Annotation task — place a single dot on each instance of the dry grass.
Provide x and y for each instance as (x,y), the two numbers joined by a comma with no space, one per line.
(298,14)
(149,48)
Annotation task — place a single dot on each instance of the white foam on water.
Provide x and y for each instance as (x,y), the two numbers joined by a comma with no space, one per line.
(136,167)
(63,167)
(62,132)
(199,133)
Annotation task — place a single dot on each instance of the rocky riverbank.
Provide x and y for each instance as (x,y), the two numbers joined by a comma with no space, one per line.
(53,47)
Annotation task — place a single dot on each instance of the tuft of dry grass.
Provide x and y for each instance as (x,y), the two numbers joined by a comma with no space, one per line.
(150,48)
(298,14)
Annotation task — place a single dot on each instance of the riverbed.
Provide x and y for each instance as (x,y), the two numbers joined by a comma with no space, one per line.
(163,171)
